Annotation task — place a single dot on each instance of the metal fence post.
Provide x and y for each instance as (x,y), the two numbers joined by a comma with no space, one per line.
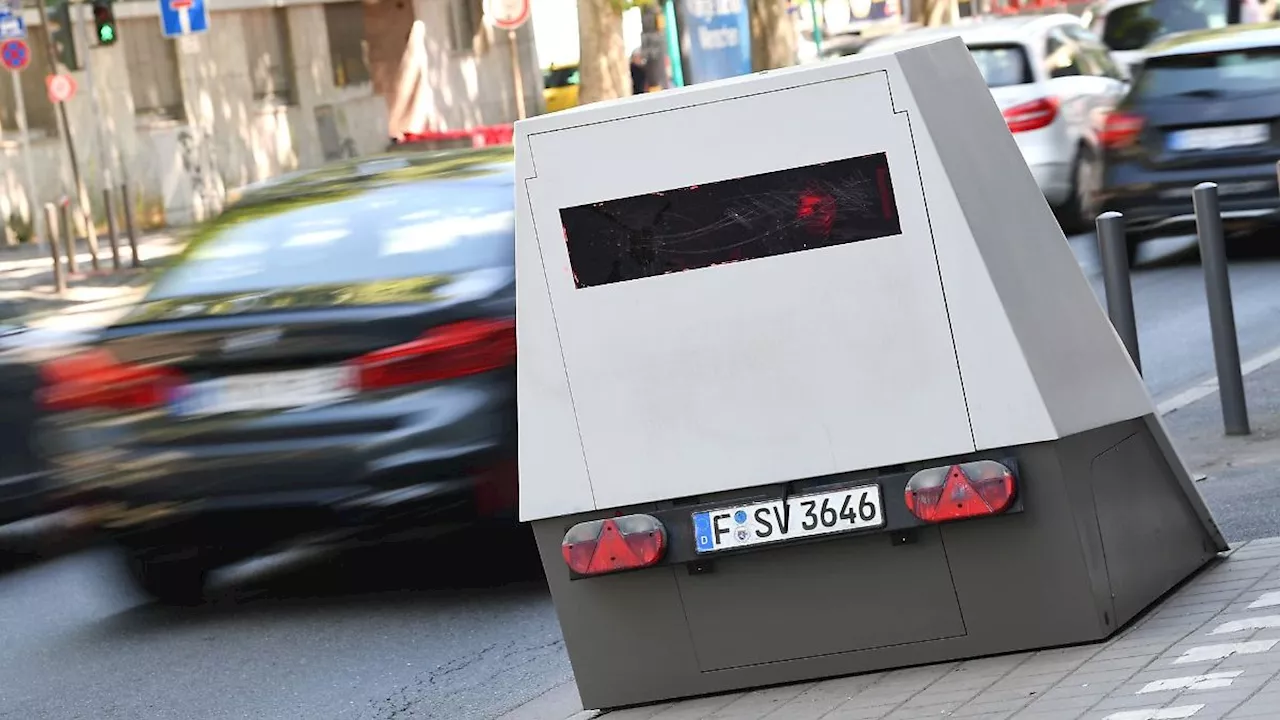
(109,206)
(129,227)
(1222,321)
(51,231)
(69,236)
(1113,248)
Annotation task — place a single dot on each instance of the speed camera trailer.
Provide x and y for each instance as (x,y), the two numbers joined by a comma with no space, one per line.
(811,384)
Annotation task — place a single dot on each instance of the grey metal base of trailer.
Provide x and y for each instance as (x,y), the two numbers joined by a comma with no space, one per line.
(1106,527)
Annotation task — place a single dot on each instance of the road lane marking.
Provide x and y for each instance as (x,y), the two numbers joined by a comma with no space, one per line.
(1205,653)
(1173,713)
(1267,600)
(1212,681)
(1258,623)
(1210,386)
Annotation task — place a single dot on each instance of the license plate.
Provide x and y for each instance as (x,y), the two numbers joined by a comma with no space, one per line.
(1218,138)
(800,516)
(264,391)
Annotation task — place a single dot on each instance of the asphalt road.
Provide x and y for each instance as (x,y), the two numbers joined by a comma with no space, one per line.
(462,630)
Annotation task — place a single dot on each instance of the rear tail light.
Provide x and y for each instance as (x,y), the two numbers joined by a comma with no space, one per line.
(961,491)
(452,351)
(614,544)
(1031,116)
(95,379)
(1120,130)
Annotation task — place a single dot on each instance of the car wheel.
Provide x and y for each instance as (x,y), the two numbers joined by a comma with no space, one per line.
(1081,210)
(170,578)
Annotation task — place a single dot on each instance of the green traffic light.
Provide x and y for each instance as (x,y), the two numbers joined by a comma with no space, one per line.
(106,34)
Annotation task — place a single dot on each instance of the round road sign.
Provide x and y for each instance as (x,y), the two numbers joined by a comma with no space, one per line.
(506,14)
(15,54)
(61,87)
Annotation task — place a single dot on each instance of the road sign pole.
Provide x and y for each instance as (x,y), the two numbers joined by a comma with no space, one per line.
(99,109)
(104,156)
(33,203)
(64,129)
(517,75)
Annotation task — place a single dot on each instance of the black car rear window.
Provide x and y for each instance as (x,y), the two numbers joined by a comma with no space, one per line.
(1210,75)
(1133,27)
(402,231)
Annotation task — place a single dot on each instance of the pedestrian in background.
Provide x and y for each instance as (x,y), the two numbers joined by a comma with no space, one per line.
(638,80)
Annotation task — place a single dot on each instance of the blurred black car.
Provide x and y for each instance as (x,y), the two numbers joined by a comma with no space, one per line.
(24,472)
(334,352)
(1205,106)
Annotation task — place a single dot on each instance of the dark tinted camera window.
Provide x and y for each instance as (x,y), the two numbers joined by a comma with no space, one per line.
(399,232)
(1211,75)
(745,218)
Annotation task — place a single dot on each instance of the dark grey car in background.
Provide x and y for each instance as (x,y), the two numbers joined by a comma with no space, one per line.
(1204,107)
(336,351)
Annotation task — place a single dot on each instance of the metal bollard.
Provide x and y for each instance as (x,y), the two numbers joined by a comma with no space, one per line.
(1222,321)
(1113,248)
(109,208)
(128,224)
(91,239)
(69,237)
(51,229)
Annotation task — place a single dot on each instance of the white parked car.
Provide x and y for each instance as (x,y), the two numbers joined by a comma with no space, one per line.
(1126,27)
(1053,79)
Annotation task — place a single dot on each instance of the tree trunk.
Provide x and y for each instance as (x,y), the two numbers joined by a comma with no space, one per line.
(773,36)
(605,71)
(932,12)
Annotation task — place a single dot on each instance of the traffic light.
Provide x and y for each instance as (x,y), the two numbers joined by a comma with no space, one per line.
(61,35)
(104,19)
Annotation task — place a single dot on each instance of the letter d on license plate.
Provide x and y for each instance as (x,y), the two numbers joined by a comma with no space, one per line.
(826,513)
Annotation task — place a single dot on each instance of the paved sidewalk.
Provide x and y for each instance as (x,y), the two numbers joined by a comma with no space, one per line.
(93,298)
(1210,650)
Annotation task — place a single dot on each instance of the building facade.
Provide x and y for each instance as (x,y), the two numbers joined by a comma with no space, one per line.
(273,86)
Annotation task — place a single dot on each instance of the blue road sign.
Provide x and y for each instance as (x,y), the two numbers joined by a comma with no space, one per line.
(183,17)
(14,54)
(716,36)
(12,27)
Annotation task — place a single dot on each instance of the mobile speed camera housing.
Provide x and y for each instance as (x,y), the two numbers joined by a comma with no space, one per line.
(811,384)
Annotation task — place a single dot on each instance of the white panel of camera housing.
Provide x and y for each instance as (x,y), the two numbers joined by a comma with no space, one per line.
(972,329)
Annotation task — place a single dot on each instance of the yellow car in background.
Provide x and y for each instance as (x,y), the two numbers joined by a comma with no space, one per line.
(561,87)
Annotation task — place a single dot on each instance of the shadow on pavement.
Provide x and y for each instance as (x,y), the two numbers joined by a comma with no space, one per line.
(481,565)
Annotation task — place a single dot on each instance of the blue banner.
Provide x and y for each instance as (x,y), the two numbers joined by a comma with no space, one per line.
(715,39)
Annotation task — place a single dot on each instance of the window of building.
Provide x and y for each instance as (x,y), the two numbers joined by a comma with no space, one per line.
(345,26)
(464,23)
(41,114)
(266,39)
(153,70)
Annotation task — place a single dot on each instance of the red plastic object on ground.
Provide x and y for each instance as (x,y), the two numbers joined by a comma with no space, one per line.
(480,136)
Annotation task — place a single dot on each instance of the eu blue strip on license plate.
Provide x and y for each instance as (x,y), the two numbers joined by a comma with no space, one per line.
(826,513)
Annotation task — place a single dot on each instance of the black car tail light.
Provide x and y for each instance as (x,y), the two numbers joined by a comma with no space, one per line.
(1120,130)
(95,379)
(451,351)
